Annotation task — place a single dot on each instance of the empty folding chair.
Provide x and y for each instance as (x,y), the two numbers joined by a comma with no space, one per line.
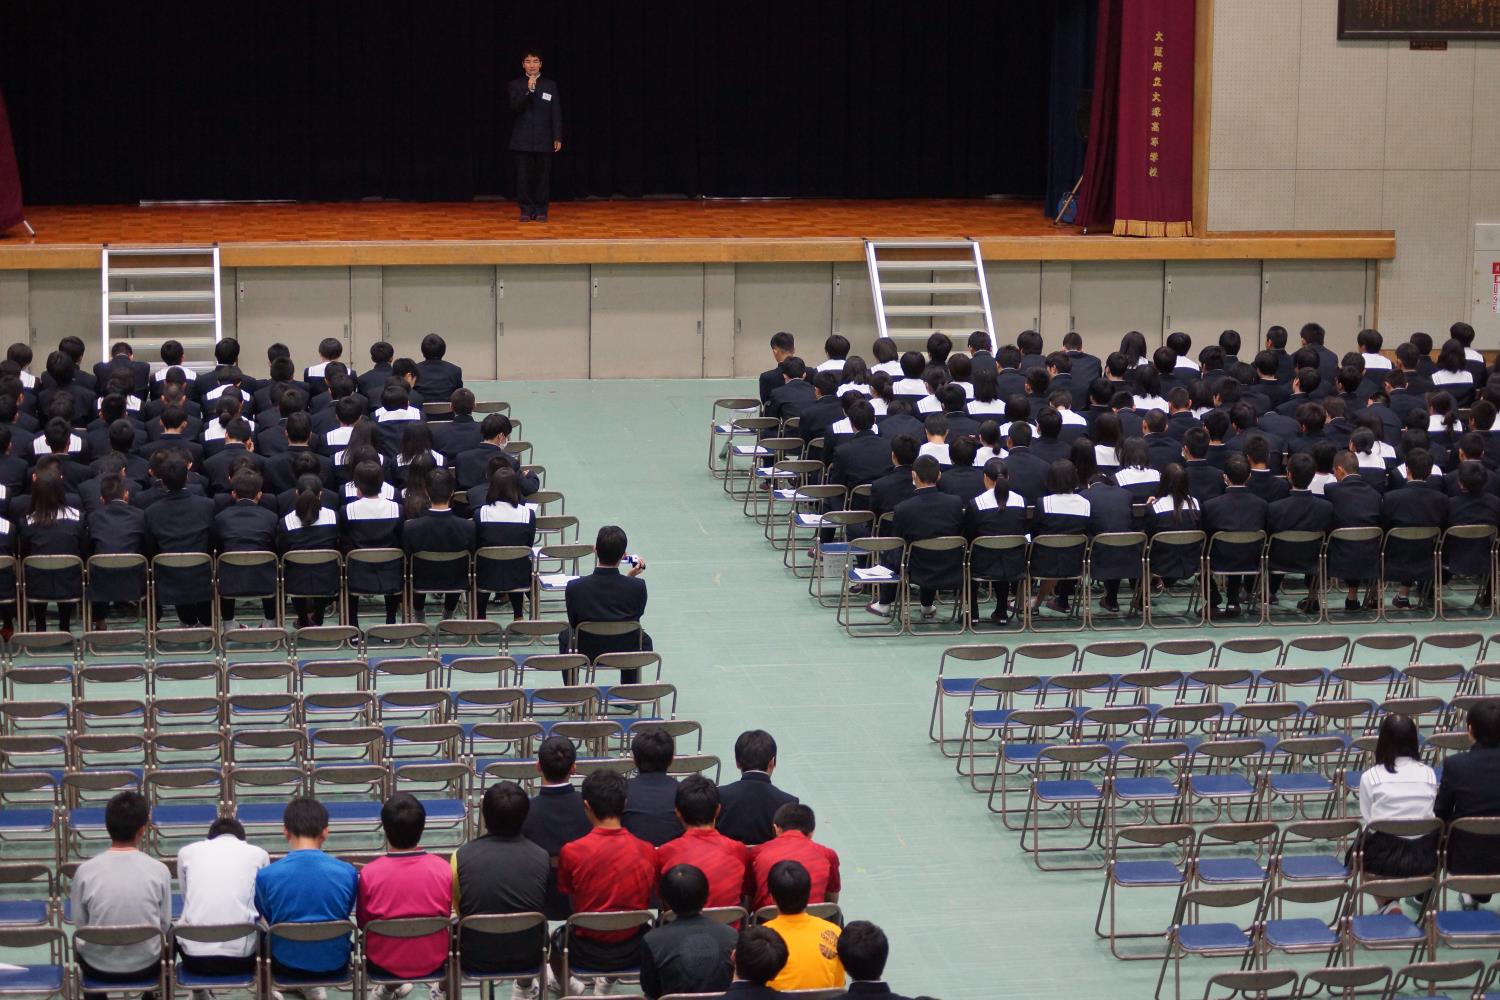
(118,750)
(985,720)
(1467,554)
(1252,984)
(404,672)
(948,688)
(1233,854)
(346,745)
(1457,979)
(260,792)
(487,703)
(1389,931)
(1314,851)
(182,748)
(84,794)
(184,803)
(38,962)
(353,795)
(1303,774)
(1188,937)
(723,431)
(1169,848)
(28,895)
(1343,980)
(1023,737)
(1444,647)
(830,552)
(746,452)
(29,803)
(1066,781)
(1146,778)
(1220,773)
(1285,934)
(442,787)
(1463,927)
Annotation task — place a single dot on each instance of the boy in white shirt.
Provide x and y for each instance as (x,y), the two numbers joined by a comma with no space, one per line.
(218,887)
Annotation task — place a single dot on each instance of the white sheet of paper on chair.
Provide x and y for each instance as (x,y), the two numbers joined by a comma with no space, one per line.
(555,581)
(874,573)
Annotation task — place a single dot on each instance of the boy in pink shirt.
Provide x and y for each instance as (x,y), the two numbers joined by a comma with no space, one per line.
(406,882)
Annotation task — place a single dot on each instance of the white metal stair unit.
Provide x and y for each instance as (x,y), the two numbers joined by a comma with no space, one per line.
(922,287)
(155,294)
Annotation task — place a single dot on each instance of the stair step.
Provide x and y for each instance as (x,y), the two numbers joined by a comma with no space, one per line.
(158,251)
(188,343)
(930,287)
(926,265)
(161,272)
(175,295)
(160,319)
(944,310)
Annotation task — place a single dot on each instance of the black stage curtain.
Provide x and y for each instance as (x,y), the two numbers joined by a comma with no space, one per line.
(331,100)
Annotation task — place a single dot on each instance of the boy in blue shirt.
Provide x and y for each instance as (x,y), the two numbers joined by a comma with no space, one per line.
(306,886)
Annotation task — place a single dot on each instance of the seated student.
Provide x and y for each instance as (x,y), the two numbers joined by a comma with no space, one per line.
(122,886)
(437,379)
(811,942)
(607,595)
(820,416)
(911,384)
(750,804)
(1418,504)
(609,869)
(115,528)
(961,479)
(836,348)
(461,432)
(306,886)
(651,795)
(246,526)
(935,427)
(271,436)
(1398,787)
(237,442)
(556,815)
(329,349)
(863,456)
(440,529)
(51,527)
(404,882)
(722,860)
(503,519)
(1173,509)
(794,395)
(1451,374)
(1470,786)
(278,469)
(759,956)
(112,408)
(121,439)
(998,510)
(1062,511)
(1263,481)
(217,875)
(1473,504)
(393,417)
(310,524)
(863,949)
(889,490)
(499,873)
(1356,504)
(794,826)
(372,522)
(887,357)
(372,382)
(171,357)
(350,413)
(1205,480)
(65,382)
(473,466)
(783,346)
(690,953)
(927,513)
(225,410)
(231,383)
(1299,510)
(1236,509)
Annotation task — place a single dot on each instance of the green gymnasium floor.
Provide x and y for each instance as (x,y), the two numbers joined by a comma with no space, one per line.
(968,917)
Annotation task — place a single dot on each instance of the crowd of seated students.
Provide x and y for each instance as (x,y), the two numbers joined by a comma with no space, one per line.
(606,845)
(149,459)
(1015,441)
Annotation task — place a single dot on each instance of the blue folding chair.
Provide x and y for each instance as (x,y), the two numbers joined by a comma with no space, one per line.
(1421,980)
(214,934)
(1189,938)
(139,935)
(1461,928)
(1170,847)
(1068,780)
(23,974)
(949,688)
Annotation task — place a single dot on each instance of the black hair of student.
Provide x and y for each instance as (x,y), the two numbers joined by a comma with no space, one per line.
(124,816)
(403,818)
(395,396)
(402,367)
(1419,463)
(880,386)
(1019,432)
(121,435)
(1472,477)
(309,503)
(368,479)
(282,370)
(604,794)
(790,886)
(754,750)
(863,950)
(783,341)
(904,449)
(61,408)
(348,410)
(684,890)
(1300,469)
(1009,356)
(793,368)
(610,545)
(1312,333)
(1029,342)
(19,353)
(48,498)
(237,429)
(1276,337)
(304,816)
(416,496)
(495,425)
(936,424)
(861,415)
(1484,722)
(61,367)
(1398,738)
(1229,341)
(826,383)
(1211,358)
(927,470)
(1180,343)
(960,367)
(986,385)
(226,824)
(111,486)
(73,347)
(1037,381)
(952,397)
(1322,455)
(299,428)
(416,439)
(1472,444)
(836,347)
(961,452)
(1072,341)
(1195,442)
(653,751)
(172,471)
(439,486)
(1062,477)
(112,407)
(555,759)
(504,486)
(381,352)
(979,340)
(1081,454)
(697,800)
(433,347)
(759,955)
(246,484)
(796,816)
(1048,424)
(913,363)
(939,346)
(504,807)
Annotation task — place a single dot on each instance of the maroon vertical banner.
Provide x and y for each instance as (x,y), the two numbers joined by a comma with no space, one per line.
(1154,134)
(10,175)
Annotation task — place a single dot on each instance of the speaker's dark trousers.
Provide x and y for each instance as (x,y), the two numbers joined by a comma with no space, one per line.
(533,182)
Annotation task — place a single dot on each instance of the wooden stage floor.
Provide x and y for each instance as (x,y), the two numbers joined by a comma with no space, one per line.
(651,232)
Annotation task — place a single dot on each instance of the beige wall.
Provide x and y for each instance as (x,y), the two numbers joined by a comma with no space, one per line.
(1313,133)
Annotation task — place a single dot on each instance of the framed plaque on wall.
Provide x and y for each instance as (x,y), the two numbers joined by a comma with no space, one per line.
(1418,19)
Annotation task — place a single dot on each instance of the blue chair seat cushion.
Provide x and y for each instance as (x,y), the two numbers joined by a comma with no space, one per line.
(1145,788)
(1468,923)
(192,980)
(957,685)
(23,912)
(1313,867)
(445,810)
(1220,785)
(1070,790)
(1384,927)
(19,820)
(1212,937)
(1299,932)
(184,814)
(1221,870)
(32,978)
(1301,783)
(1140,873)
(353,812)
(990,718)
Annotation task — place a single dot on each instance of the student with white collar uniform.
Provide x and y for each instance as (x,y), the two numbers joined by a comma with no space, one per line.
(395,413)
(372,521)
(329,349)
(836,348)
(911,383)
(887,357)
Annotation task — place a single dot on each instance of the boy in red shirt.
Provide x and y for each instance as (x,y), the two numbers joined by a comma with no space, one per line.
(721,859)
(794,824)
(609,869)
(406,882)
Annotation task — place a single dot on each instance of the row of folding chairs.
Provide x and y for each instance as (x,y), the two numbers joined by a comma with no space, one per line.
(299,574)
(946,563)
(58,815)
(1316,667)
(62,976)
(131,677)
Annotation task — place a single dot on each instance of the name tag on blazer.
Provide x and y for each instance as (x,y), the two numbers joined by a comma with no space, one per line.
(546,96)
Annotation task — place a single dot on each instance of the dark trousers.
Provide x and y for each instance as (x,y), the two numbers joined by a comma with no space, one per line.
(215,965)
(39,616)
(151,971)
(533,182)
(200,613)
